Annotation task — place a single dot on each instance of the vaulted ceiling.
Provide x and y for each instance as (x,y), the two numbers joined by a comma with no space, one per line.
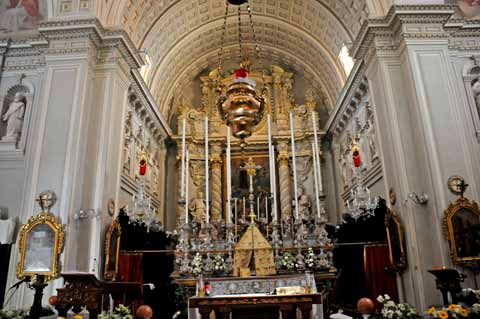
(183,38)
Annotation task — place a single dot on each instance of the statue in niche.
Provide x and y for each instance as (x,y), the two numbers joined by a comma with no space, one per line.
(198,208)
(126,147)
(14,118)
(476,94)
(372,135)
(343,171)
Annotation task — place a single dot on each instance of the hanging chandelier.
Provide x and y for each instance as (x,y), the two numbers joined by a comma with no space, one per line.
(240,106)
(142,212)
(361,203)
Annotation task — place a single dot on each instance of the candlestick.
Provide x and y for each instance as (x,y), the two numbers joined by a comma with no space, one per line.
(317,199)
(186,186)
(275,210)
(182,191)
(294,165)
(315,138)
(207,204)
(229,180)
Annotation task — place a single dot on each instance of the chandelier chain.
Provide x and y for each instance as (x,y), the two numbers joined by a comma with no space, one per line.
(240,53)
(222,39)
(257,48)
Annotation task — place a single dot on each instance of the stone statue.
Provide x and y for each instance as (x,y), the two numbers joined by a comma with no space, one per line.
(14,117)
(304,204)
(372,144)
(197,207)
(476,94)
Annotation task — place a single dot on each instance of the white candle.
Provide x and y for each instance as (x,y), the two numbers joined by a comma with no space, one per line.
(266,209)
(294,165)
(186,186)
(207,204)
(228,217)
(315,138)
(317,199)
(235,218)
(275,210)
(244,211)
(182,192)
(269,122)
(258,206)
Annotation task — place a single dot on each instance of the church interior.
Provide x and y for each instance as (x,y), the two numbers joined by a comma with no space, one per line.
(231,159)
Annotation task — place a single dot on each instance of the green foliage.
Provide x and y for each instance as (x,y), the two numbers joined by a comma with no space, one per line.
(120,312)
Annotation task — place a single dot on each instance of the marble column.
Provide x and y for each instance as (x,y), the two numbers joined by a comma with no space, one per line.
(285,181)
(216,177)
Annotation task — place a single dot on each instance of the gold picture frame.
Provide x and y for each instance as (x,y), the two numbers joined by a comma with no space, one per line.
(112,250)
(462,228)
(395,241)
(41,242)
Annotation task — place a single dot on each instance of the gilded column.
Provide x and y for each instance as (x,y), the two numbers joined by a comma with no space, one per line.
(285,183)
(216,192)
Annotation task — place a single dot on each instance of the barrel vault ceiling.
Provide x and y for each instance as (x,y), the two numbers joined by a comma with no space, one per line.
(182,38)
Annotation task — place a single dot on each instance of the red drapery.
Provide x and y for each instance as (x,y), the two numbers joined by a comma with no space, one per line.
(130,268)
(377,280)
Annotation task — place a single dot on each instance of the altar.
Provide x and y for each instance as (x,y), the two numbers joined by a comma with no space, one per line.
(256,306)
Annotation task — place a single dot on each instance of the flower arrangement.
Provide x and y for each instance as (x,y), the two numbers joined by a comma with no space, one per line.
(311,259)
(392,310)
(197,264)
(452,311)
(288,261)
(13,314)
(120,312)
(218,263)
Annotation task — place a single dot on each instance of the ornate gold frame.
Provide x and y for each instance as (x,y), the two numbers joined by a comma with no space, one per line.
(399,265)
(114,227)
(450,212)
(26,230)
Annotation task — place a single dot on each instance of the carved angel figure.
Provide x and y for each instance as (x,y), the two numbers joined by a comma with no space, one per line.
(14,117)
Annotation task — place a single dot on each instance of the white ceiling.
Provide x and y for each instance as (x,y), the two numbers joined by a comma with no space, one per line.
(183,37)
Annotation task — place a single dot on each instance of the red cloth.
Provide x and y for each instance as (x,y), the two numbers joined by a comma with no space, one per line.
(472,3)
(377,280)
(31,6)
(130,268)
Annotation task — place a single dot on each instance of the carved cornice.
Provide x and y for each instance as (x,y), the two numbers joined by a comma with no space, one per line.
(29,52)
(140,92)
(398,24)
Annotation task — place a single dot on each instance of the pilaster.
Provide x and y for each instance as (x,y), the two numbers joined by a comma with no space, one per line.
(419,108)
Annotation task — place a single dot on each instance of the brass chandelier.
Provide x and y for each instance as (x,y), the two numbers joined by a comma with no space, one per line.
(239,105)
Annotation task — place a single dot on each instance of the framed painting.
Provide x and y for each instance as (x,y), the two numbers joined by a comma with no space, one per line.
(41,242)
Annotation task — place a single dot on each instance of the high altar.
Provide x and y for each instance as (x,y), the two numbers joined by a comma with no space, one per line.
(262,230)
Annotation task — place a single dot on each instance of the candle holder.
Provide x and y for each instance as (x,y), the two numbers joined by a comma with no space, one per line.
(321,234)
(208,263)
(230,238)
(185,264)
(229,262)
(287,233)
(276,238)
(299,233)
(183,242)
(207,238)
(300,259)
